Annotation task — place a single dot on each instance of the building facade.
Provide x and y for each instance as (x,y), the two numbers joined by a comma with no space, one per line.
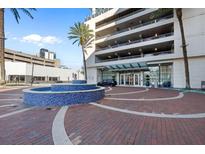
(136,48)
(22,67)
(18,56)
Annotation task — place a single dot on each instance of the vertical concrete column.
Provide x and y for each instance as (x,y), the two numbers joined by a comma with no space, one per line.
(118,78)
(2,39)
(141,78)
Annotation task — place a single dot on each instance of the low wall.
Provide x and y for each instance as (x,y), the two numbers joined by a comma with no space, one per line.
(72,87)
(44,97)
(79,81)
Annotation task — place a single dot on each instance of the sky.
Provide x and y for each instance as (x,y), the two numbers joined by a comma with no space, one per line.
(49,29)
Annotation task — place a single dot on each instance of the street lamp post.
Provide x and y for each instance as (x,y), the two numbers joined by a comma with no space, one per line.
(32,74)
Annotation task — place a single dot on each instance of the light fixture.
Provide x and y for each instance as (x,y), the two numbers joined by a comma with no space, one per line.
(155,49)
(156,35)
(129,53)
(109,56)
(140,49)
(140,35)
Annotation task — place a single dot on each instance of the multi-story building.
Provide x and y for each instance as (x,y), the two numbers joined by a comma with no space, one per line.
(18,56)
(22,67)
(45,53)
(137,49)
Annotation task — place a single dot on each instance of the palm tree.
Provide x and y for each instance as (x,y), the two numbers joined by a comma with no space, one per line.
(184,48)
(2,36)
(82,35)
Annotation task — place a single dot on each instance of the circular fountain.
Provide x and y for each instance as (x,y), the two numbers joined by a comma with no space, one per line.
(63,94)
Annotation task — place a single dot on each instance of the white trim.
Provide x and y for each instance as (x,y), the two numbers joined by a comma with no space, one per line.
(8,105)
(11,99)
(59,134)
(157,115)
(133,92)
(149,99)
(109,89)
(15,112)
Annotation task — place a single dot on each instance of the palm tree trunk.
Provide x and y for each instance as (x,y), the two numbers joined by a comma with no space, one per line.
(184,49)
(84,63)
(2,39)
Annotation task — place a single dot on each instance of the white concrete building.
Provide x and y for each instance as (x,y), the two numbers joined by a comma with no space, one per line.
(22,72)
(137,50)
(21,67)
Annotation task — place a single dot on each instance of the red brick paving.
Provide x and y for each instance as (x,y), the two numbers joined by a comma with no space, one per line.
(94,125)
(152,93)
(30,127)
(190,103)
(88,124)
(123,89)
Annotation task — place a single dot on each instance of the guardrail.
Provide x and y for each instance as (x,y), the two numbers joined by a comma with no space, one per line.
(135,56)
(140,10)
(136,41)
(97,14)
(136,26)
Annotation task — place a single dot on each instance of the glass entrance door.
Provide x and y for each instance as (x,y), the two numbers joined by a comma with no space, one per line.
(137,79)
(122,79)
(131,79)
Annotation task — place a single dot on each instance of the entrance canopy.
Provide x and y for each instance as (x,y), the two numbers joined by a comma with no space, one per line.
(127,66)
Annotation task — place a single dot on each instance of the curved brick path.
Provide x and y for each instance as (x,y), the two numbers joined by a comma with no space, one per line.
(89,124)
(21,124)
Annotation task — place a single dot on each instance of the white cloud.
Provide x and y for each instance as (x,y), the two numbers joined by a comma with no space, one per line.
(40,40)
(14,38)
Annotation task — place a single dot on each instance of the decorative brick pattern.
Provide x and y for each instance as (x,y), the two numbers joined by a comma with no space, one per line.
(87,124)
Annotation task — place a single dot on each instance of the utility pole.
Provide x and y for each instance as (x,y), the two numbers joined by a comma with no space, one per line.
(32,74)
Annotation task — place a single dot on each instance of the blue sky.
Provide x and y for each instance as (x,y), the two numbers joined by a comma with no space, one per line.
(49,30)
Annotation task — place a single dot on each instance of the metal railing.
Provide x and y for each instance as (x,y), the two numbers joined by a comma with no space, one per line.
(137,41)
(136,26)
(119,18)
(135,56)
(97,14)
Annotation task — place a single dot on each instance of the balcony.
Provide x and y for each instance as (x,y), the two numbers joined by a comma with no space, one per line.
(136,41)
(135,56)
(119,18)
(136,26)
(97,14)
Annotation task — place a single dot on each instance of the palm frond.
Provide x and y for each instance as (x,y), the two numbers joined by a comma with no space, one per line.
(15,12)
(81,32)
(27,12)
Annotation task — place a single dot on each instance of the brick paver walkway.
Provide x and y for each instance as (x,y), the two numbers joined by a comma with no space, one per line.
(89,124)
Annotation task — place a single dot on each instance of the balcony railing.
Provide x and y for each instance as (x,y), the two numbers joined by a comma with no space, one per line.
(140,10)
(97,14)
(137,41)
(135,56)
(136,26)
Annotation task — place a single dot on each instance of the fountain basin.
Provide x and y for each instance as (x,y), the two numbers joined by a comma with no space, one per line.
(63,94)
(72,87)
(79,81)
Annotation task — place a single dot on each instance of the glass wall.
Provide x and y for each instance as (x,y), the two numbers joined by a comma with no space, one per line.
(108,75)
(166,75)
(151,77)
(160,75)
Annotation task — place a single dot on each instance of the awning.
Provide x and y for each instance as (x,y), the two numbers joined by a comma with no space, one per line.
(127,66)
